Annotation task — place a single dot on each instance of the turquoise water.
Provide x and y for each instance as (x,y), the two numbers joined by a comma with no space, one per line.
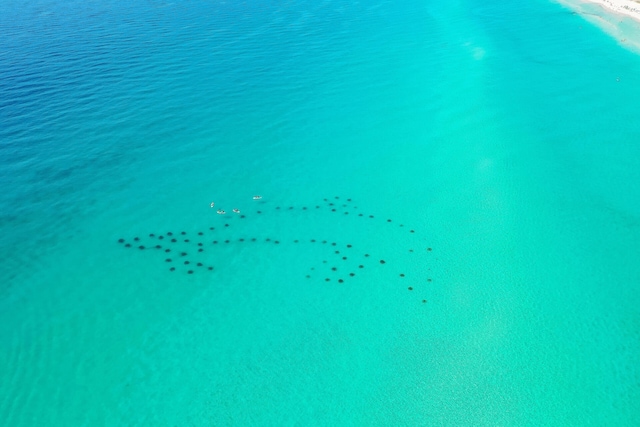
(504,135)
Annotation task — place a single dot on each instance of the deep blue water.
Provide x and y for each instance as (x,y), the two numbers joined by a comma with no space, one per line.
(487,152)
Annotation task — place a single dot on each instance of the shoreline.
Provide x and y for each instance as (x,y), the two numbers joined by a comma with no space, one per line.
(628,8)
(610,15)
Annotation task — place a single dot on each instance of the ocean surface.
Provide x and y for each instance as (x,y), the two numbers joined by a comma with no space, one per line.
(448,234)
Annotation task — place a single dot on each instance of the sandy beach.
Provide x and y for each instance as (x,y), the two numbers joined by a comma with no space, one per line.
(625,7)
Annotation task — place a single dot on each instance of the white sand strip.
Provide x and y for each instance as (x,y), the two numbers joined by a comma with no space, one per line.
(625,7)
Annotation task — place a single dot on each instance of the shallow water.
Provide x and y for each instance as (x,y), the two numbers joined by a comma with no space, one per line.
(503,136)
